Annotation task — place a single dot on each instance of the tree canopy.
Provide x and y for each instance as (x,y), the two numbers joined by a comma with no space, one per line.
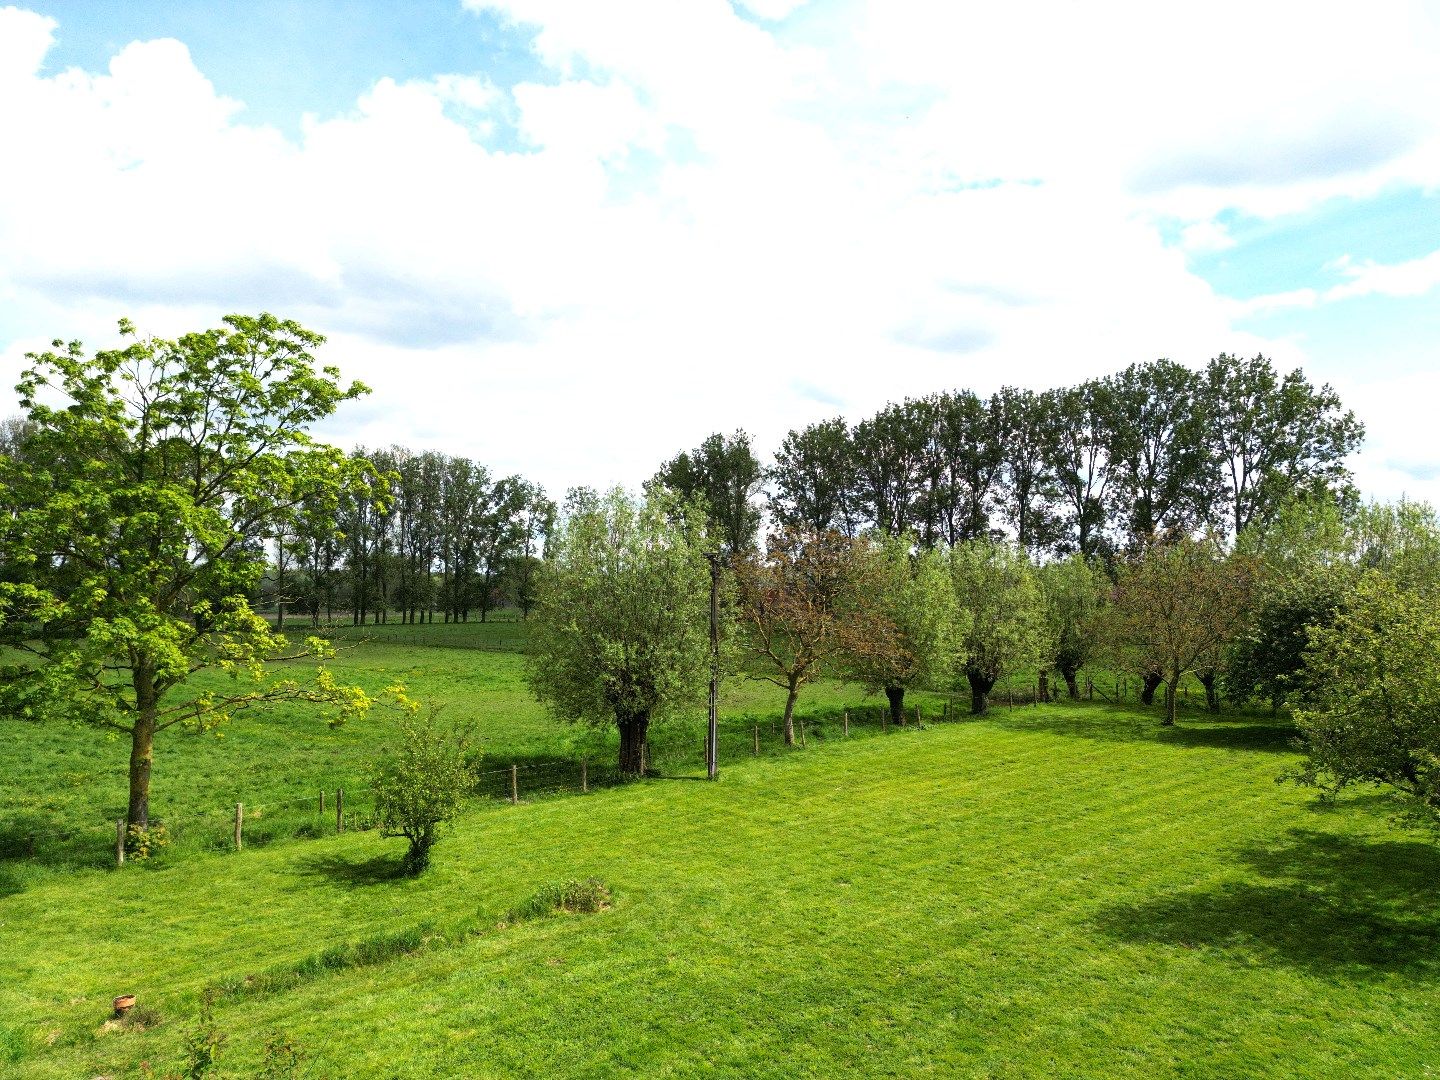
(136,521)
(620,631)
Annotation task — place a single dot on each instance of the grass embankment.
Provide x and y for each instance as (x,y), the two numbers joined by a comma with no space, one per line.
(1061,891)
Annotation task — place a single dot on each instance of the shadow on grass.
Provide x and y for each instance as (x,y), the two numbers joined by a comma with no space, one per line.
(1115,725)
(1327,904)
(343,871)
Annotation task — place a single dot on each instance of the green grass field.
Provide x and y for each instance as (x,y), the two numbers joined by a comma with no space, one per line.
(1051,891)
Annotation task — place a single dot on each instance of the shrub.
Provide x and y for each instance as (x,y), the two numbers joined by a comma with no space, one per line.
(420,786)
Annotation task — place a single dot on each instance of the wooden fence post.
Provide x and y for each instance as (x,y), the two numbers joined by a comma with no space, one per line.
(322,802)
(514,784)
(239,825)
(802,731)
(918,724)
(120,841)
(584,778)
(757,740)
(339,810)
(847,723)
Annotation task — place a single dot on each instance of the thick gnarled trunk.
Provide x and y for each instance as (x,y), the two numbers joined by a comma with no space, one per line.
(633,730)
(980,687)
(896,696)
(1153,679)
(1072,685)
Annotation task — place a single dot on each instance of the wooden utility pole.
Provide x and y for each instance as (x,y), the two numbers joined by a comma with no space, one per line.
(712,755)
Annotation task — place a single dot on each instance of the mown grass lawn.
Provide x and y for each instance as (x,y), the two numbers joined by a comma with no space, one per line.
(1054,891)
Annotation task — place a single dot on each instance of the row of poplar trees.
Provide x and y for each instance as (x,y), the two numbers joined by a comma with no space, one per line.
(1158,449)
(420,534)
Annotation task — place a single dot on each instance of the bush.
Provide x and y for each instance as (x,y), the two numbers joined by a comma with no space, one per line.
(420,787)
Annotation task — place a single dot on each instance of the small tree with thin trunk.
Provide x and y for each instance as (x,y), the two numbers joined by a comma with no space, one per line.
(1002,626)
(1174,608)
(620,631)
(912,590)
(808,602)
(420,785)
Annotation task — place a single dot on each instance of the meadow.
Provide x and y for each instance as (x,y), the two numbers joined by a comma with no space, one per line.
(1052,890)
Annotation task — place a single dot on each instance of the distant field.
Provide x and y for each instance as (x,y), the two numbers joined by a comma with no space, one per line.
(1052,891)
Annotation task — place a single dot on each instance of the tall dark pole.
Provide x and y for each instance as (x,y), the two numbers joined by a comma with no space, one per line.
(712,753)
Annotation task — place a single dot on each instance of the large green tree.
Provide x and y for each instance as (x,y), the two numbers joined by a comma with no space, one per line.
(1001,626)
(1073,589)
(620,630)
(1273,437)
(911,590)
(1371,709)
(136,521)
(723,476)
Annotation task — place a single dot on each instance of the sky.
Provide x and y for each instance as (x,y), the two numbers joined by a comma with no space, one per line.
(571,239)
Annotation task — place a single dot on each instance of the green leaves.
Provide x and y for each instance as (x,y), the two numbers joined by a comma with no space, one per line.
(620,624)
(137,515)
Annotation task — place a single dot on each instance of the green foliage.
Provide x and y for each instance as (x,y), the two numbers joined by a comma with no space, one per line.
(620,632)
(136,520)
(141,842)
(420,785)
(1073,589)
(723,478)
(1001,623)
(1371,710)
(911,590)
(1176,608)
(569,897)
(1274,438)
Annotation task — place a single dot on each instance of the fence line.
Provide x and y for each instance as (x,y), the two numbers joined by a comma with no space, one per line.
(579,775)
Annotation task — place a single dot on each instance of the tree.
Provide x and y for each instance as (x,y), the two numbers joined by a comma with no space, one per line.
(1273,437)
(912,591)
(1072,589)
(1175,606)
(809,601)
(1027,486)
(814,480)
(1001,626)
(135,526)
(1076,426)
(620,633)
(1371,711)
(1163,482)
(420,785)
(722,475)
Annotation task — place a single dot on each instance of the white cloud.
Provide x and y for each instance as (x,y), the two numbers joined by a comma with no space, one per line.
(1415,277)
(713,224)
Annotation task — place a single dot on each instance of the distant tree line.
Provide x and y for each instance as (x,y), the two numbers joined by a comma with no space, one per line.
(1157,450)
(425,534)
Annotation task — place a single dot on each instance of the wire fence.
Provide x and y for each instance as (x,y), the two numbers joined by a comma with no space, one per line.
(348,806)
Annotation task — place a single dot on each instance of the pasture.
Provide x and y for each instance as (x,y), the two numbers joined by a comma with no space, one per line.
(1061,890)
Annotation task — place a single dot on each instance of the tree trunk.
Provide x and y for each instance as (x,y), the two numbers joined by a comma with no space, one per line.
(633,730)
(142,747)
(1212,695)
(896,696)
(1153,679)
(790,698)
(1071,686)
(980,687)
(1172,693)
